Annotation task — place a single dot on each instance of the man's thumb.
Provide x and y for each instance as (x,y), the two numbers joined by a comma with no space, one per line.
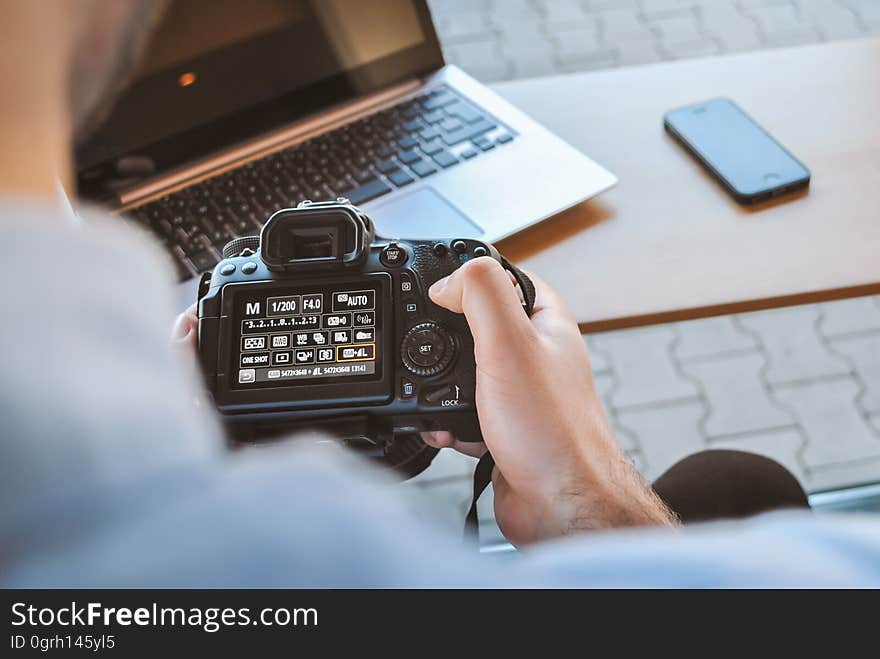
(482,290)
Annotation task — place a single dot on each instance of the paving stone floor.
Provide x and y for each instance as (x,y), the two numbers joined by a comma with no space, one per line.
(800,384)
(505,39)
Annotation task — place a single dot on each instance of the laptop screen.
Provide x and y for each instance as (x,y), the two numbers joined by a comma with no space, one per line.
(218,72)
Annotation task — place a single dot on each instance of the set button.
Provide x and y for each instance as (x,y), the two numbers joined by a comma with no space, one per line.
(427,349)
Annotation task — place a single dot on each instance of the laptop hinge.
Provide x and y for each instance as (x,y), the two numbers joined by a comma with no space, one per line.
(259,147)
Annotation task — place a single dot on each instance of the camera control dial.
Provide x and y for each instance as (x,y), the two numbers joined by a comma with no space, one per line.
(427,349)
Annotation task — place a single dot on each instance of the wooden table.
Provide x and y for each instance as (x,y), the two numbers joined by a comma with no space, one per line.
(668,243)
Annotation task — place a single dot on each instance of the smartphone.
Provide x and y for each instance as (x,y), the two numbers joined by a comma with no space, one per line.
(746,160)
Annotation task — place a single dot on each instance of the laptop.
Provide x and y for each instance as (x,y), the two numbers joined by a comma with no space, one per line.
(240,109)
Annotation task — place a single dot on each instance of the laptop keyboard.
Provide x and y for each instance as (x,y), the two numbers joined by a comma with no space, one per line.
(361,161)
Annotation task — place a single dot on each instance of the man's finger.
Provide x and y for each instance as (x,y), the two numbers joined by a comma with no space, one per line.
(481,290)
(186,326)
(550,314)
(444,439)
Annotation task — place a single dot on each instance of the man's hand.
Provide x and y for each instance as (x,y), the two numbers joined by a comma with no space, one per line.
(558,468)
(185,333)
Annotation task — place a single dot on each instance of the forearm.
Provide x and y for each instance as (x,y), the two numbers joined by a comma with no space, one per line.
(619,498)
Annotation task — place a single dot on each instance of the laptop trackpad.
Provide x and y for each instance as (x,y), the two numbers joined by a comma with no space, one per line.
(422,213)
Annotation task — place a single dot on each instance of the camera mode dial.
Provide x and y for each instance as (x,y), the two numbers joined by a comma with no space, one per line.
(427,349)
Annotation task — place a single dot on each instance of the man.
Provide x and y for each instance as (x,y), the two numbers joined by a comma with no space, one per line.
(112,476)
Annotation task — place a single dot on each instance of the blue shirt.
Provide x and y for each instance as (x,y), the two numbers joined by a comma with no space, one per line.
(111,475)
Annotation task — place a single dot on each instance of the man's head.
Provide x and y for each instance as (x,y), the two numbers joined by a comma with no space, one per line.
(61,62)
(107,40)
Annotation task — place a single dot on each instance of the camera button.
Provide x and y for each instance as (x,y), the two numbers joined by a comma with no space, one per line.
(441,392)
(479,250)
(445,395)
(406,283)
(227,269)
(407,389)
(440,249)
(459,247)
(427,349)
(393,256)
(249,268)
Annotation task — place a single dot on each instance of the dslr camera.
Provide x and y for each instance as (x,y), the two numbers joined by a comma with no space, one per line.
(318,322)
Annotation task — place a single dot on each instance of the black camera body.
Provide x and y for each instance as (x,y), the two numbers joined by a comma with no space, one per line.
(318,322)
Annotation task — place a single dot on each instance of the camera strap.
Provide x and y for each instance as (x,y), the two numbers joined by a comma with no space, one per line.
(482,478)
(483,470)
(525,285)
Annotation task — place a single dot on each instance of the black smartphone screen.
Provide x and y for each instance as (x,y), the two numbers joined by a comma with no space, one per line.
(743,156)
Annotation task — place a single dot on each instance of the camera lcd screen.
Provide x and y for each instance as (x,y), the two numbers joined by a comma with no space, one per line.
(289,336)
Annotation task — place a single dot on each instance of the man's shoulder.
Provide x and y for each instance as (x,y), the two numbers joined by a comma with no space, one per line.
(780,549)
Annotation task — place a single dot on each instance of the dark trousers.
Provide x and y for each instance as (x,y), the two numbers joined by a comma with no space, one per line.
(721,484)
